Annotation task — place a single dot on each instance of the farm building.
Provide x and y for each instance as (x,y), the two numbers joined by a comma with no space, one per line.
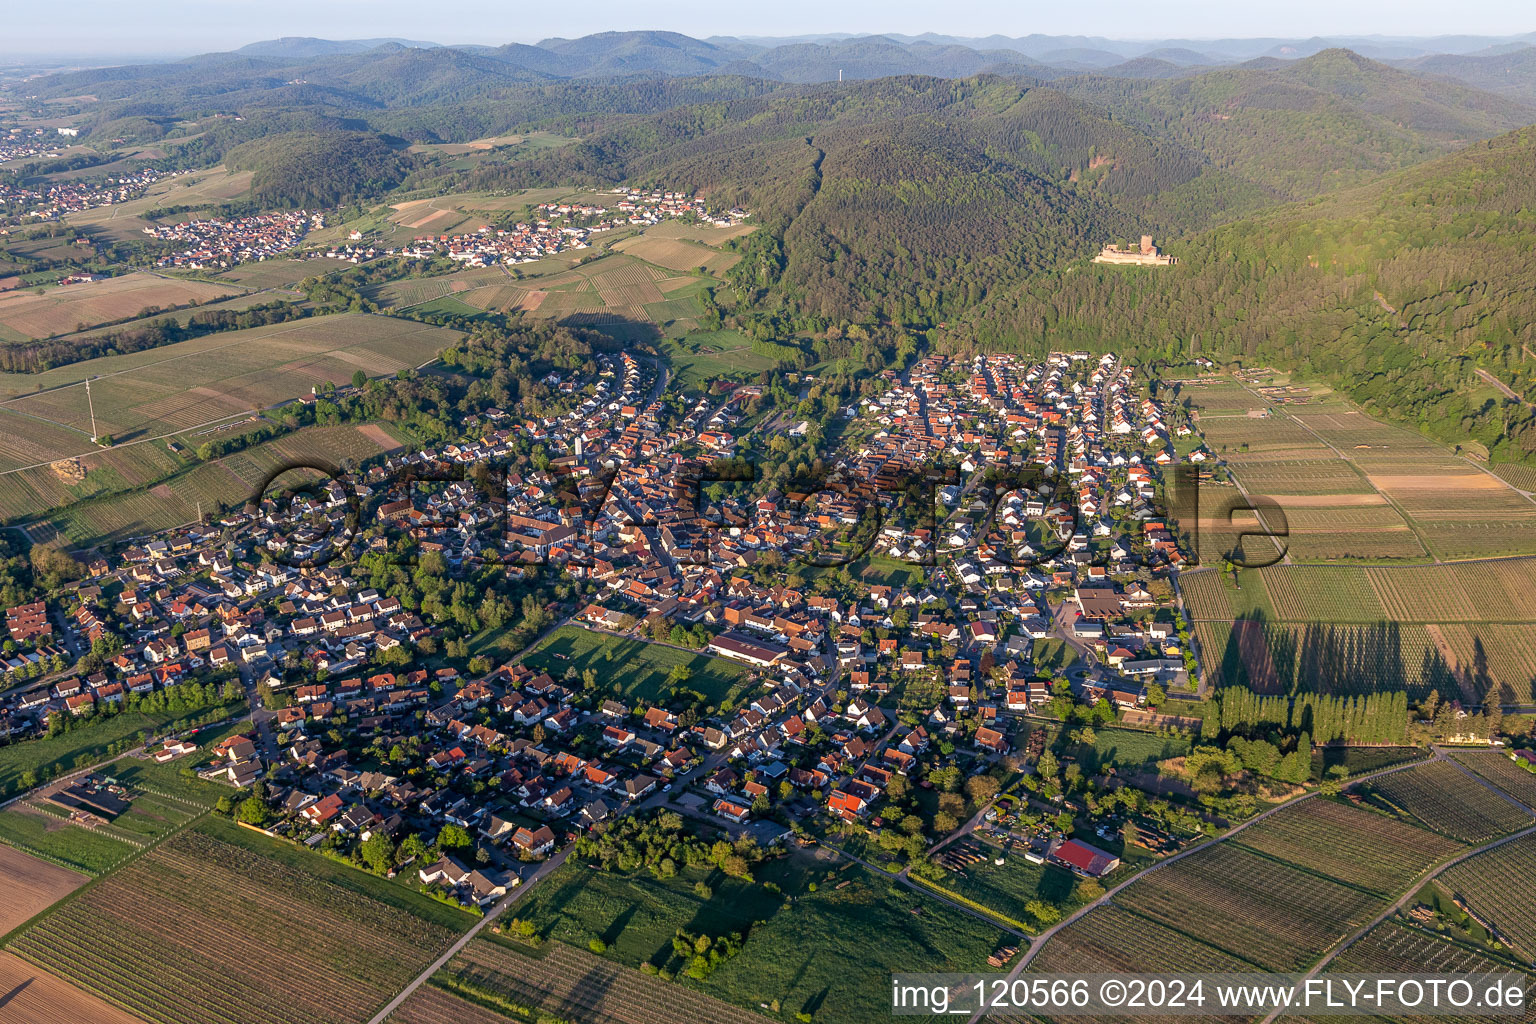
(1085,859)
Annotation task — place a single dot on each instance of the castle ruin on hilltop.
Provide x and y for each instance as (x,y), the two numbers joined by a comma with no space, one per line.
(1146,256)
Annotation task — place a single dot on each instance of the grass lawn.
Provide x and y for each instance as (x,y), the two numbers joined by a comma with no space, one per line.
(1362,760)
(395,893)
(634,668)
(637,915)
(705,355)
(1127,750)
(1051,655)
(52,839)
(60,753)
(882,570)
(1006,888)
(829,952)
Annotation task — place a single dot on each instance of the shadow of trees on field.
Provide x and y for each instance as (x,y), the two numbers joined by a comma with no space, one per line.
(1330,658)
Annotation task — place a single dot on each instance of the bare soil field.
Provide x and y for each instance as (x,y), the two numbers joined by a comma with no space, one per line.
(28,886)
(32,996)
(75,307)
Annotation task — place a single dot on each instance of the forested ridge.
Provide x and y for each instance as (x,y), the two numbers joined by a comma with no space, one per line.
(1319,222)
(1449,246)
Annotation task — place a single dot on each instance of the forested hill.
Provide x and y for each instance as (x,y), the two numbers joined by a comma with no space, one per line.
(1309,126)
(1396,292)
(903,198)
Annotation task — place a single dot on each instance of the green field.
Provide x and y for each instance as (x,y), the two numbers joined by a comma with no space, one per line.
(1128,750)
(636,669)
(1051,655)
(829,952)
(217,377)
(204,487)
(1006,888)
(62,753)
(701,356)
(54,839)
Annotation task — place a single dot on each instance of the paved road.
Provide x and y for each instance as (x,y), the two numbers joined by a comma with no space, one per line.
(658,799)
(548,867)
(1039,941)
(1439,869)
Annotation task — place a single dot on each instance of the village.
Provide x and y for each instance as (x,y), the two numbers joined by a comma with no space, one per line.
(222,243)
(55,199)
(840,686)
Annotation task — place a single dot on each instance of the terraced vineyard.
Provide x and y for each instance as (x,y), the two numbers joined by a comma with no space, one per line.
(1444,799)
(579,986)
(200,930)
(1283,924)
(1351,845)
(1500,886)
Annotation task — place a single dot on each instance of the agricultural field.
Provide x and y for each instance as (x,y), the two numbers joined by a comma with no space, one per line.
(28,492)
(1355,489)
(828,952)
(412,291)
(28,886)
(567,982)
(1395,948)
(1315,657)
(1358,847)
(1497,768)
(55,840)
(645,666)
(1460,627)
(707,234)
(432,1005)
(275,273)
(1442,797)
(1283,924)
(1112,940)
(32,996)
(203,922)
(205,487)
(25,315)
(1362,760)
(1498,886)
(1006,888)
(220,376)
(676,254)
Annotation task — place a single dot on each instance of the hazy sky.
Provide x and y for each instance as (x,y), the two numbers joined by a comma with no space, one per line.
(191,26)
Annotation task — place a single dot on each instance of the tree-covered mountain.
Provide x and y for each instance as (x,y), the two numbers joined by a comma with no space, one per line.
(1511,73)
(318,169)
(1396,292)
(1308,126)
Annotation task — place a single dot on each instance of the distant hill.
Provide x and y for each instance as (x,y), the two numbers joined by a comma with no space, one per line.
(1308,126)
(1510,73)
(301,47)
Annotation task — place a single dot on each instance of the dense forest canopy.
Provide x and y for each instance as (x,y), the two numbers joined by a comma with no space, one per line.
(318,169)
